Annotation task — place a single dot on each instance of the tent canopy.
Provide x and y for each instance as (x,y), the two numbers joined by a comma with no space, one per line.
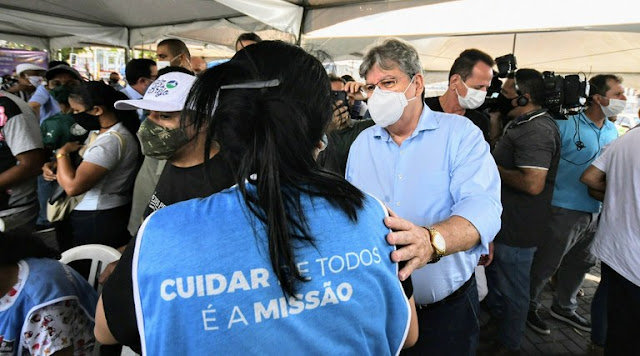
(562,36)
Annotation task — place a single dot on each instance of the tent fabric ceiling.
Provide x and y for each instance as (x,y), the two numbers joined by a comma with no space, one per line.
(35,19)
(596,51)
(214,27)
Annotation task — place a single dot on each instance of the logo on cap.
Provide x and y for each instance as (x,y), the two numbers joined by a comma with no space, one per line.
(172,84)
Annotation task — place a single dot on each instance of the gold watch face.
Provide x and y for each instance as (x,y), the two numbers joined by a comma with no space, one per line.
(438,242)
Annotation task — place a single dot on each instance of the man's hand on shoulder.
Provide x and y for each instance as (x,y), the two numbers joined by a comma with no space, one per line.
(413,244)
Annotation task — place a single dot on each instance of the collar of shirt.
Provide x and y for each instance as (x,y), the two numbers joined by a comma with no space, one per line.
(132,93)
(586,120)
(427,121)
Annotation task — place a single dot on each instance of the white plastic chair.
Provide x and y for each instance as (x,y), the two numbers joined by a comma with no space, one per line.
(100,256)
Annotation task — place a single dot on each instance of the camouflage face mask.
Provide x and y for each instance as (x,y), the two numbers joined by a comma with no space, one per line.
(159,142)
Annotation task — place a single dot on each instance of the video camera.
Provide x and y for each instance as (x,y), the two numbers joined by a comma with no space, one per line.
(562,95)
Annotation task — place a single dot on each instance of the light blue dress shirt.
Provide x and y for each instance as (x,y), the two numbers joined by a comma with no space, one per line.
(48,105)
(568,191)
(444,168)
(132,94)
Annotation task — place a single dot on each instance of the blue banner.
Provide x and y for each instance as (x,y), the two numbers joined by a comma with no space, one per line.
(10,58)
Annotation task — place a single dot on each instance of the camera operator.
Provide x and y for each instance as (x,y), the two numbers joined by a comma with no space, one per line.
(527,156)
(469,78)
(342,130)
(574,212)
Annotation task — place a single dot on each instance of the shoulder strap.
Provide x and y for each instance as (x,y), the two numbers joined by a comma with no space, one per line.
(123,142)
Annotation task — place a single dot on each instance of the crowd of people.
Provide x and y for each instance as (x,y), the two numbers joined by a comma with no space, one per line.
(244,196)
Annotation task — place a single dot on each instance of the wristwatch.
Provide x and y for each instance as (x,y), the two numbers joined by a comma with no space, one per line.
(438,243)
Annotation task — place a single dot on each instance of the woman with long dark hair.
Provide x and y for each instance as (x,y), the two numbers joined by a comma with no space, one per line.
(46,308)
(291,260)
(106,174)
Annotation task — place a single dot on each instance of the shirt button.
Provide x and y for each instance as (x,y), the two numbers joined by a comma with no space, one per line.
(399,176)
(398,204)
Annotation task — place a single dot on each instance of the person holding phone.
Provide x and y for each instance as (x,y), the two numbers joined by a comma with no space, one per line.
(343,129)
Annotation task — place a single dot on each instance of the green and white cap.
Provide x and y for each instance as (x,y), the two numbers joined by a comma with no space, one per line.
(168,93)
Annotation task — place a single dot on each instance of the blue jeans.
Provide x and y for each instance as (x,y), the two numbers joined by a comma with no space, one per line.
(508,298)
(449,327)
(45,189)
(599,309)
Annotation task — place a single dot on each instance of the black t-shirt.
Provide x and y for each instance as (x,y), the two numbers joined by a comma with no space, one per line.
(479,119)
(178,184)
(530,141)
(334,158)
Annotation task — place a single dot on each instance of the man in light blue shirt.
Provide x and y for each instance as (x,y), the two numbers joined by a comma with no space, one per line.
(574,212)
(435,171)
(59,79)
(140,73)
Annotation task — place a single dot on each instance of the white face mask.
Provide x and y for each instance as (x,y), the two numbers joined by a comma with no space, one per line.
(386,107)
(615,107)
(35,80)
(162,64)
(473,100)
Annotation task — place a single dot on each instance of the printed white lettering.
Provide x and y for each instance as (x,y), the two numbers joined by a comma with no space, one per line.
(238,282)
(345,291)
(208,316)
(300,269)
(336,267)
(353,260)
(313,298)
(271,311)
(259,278)
(181,292)
(296,304)
(210,279)
(240,317)
(329,295)
(362,254)
(321,260)
(163,289)
(200,286)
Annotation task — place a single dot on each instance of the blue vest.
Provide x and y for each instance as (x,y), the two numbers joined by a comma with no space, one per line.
(203,283)
(48,282)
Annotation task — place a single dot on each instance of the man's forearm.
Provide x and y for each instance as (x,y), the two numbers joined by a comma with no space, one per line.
(596,194)
(29,166)
(459,234)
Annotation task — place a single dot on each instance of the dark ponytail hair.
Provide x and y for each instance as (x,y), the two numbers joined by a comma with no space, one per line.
(16,246)
(273,132)
(97,93)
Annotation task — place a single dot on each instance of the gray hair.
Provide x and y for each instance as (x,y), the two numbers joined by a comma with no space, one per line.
(392,53)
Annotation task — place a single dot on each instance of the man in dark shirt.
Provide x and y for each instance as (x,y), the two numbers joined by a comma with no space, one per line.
(341,133)
(469,78)
(527,157)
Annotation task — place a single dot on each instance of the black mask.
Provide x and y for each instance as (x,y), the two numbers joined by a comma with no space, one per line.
(87,121)
(504,104)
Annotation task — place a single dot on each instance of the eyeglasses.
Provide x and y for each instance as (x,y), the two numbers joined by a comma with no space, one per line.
(387,83)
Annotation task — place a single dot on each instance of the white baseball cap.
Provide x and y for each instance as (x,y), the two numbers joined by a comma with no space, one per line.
(27,66)
(167,93)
